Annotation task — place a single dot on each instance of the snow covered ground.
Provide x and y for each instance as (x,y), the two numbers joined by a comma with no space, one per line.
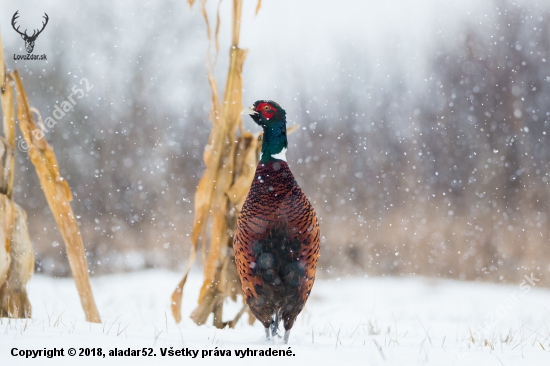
(366,321)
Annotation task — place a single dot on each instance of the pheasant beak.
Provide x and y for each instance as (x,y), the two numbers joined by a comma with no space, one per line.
(250,110)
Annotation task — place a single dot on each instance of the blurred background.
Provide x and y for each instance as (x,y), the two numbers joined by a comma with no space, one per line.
(423,142)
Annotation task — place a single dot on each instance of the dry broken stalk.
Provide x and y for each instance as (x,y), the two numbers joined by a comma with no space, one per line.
(8,118)
(219,178)
(58,195)
(16,254)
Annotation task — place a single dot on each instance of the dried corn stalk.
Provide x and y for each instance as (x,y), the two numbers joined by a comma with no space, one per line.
(230,164)
(58,194)
(14,301)
(16,254)
(8,117)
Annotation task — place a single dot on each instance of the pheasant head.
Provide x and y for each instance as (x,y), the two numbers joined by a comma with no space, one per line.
(272,118)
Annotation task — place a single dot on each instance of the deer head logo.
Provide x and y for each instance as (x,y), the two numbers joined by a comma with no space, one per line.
(29,40)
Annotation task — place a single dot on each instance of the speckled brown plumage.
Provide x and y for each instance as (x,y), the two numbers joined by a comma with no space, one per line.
(276,245)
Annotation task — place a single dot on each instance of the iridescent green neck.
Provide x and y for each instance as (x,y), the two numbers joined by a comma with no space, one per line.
(274,142)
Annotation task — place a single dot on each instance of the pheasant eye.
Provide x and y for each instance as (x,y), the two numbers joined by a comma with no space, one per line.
(267,108)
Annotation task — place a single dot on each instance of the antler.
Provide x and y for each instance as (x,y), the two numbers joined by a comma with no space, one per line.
(15,16)
(34,34)
(43,25)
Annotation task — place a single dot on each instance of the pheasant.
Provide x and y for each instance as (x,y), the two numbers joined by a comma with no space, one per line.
(277,237)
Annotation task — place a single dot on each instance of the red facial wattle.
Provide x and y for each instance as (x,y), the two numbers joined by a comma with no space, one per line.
(266,109)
